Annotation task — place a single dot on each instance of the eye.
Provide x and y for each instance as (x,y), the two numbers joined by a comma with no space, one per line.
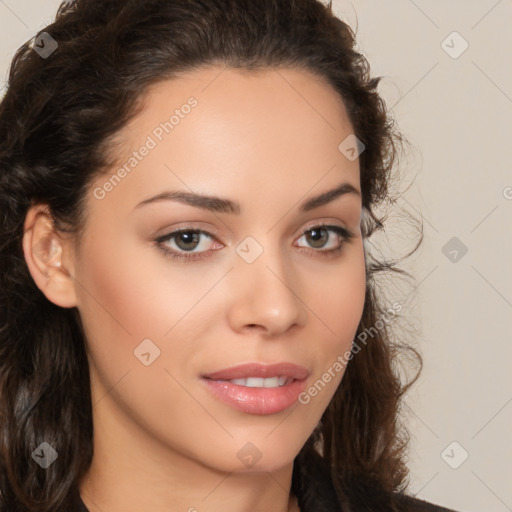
(324,242)
(186,240)
(190,244)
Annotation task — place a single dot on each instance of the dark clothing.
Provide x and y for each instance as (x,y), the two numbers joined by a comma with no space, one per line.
(315,492)
(314,489)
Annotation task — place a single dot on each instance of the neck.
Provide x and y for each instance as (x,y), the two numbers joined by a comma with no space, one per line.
(127,475)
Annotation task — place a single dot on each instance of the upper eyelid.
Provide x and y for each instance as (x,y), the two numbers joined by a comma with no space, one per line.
(217,233)
(213,232)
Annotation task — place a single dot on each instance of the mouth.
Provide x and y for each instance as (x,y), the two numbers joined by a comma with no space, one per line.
(257,388)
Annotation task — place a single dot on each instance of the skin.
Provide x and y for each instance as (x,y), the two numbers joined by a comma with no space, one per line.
(269,141)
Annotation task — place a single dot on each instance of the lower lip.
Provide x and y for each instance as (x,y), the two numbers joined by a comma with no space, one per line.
(256,400)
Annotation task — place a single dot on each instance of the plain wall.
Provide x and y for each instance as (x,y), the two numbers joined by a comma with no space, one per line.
(456,111)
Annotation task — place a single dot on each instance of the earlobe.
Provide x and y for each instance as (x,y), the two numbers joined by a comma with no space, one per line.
(44,250)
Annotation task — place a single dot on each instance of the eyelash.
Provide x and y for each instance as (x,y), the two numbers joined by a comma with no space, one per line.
(345,235)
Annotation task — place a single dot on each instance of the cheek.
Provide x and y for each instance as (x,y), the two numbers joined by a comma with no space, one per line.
(339,300)
(338,304)
(124,299)
(129,293)
(117,301)
(131,288)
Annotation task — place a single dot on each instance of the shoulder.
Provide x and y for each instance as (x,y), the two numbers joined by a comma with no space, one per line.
(315,490)
(364,494)
(409,503)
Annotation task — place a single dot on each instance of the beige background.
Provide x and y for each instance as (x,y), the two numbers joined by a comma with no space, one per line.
(457,113)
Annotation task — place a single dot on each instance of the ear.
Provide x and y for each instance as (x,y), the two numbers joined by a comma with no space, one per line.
(48,254)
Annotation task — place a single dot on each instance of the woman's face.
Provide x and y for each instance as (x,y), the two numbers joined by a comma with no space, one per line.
(253,280)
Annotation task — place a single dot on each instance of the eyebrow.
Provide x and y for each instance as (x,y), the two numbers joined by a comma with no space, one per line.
(219,205)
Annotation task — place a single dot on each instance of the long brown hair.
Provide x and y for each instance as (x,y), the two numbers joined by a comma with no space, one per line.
(58,115)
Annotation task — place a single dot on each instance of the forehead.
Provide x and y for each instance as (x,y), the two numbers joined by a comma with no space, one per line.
(230,102)
(223,129)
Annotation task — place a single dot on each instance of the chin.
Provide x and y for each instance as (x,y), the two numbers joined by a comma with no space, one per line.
(270,452)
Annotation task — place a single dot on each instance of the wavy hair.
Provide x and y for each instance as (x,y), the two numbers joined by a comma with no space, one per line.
(57,119)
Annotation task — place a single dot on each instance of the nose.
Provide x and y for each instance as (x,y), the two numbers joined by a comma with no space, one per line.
(265,295)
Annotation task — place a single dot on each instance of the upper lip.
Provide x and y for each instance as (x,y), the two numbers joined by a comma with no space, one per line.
(260,370)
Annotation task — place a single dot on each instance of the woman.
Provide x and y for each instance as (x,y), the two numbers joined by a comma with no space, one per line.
(189,318)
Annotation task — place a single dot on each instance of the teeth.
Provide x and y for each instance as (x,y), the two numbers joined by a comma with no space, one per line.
(260,382)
